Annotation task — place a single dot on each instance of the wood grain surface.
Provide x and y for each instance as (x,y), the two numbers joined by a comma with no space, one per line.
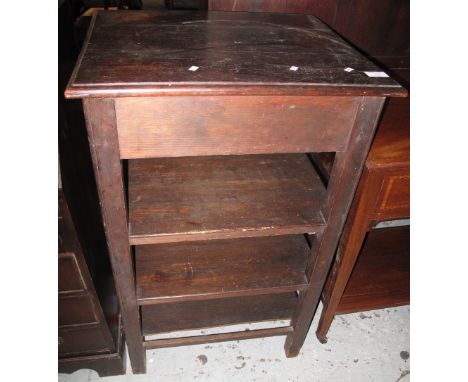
(202,270)
(201,198)
(138,53)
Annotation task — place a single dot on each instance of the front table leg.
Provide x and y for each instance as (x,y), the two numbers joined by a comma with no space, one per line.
(343,181)
(103,140)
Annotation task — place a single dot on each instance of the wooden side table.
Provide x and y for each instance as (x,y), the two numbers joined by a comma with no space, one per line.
(381,276)
(199,126)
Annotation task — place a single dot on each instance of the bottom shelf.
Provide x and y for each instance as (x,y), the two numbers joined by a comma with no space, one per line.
(218,337)
(190,315)
(381,276)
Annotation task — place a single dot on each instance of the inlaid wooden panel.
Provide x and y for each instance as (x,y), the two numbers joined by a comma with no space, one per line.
(168,127)
(394,197)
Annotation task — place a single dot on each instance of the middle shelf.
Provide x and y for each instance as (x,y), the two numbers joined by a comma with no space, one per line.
(220,197)
(220,268)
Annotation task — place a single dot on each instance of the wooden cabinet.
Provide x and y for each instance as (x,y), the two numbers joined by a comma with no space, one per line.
(85,337)
(200,127)
(372,266)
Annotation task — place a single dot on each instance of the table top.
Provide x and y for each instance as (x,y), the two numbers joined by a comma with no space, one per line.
(144,53)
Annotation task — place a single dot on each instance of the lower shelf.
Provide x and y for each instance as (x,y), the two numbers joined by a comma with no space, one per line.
(190,315)
(220,337)
(381,276)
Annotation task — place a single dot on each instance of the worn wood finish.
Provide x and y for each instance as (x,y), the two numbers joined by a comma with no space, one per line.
(78,304)
(82,340)
(167,127)
(380,28)
(88,332)
(69,276)
(213,269)
(388,161)
(190,315)
(323,9)
(381,275)
(76,310)
(343,181)
(236,53)
(212,338)
(197,199)
(200,198)
(104,364)
(100,122)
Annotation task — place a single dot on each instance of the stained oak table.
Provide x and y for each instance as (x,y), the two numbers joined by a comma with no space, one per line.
(200,126)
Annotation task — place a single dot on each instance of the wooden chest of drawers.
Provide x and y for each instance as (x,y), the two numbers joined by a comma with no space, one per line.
(85,337)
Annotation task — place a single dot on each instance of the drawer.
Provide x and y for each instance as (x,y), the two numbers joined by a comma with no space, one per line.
(394,200)
(221,125)
(76,310)
(69,275)
(81,341)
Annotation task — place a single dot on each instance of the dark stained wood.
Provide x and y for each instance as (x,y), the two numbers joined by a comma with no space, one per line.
(69,277)
(200,198)
(196,199)
(81,340)
(220,337)
(380,28)
(76,310)
(323,9)
(100,122)
(391,145)
(105,364)
(343,181)
(188,315)
(381,275)
(78,303)
(167,127)
(201,5)
(383,193)
(211,269)
(236,53)
(87,337)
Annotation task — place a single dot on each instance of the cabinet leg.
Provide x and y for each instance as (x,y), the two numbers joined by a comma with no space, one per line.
(353,236)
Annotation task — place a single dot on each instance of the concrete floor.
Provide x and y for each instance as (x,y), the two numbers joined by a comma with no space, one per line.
(368,346)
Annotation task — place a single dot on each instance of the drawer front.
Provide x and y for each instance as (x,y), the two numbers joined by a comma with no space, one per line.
(394,200)
(219,125)
(81,341)
(69,275)
(76,310)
